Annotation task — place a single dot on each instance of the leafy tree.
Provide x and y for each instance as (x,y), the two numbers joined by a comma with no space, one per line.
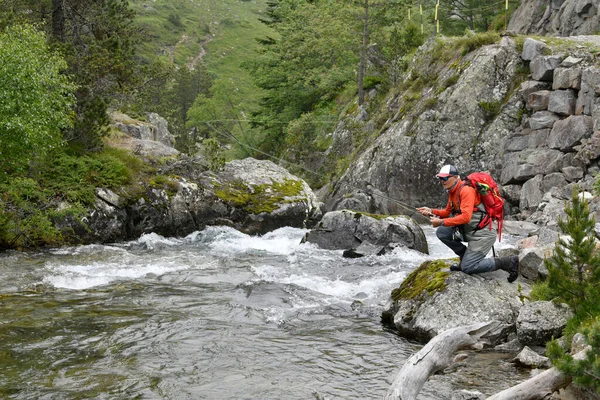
(217,115)
(97,38)
(36,98)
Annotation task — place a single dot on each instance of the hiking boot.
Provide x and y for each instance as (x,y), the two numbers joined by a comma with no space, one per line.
(513,269)
(455,267)
(510,265)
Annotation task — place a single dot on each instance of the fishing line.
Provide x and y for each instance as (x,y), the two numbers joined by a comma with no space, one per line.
(231,136)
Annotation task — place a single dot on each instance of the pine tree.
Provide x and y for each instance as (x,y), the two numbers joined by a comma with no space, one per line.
(573,278)
(574,267)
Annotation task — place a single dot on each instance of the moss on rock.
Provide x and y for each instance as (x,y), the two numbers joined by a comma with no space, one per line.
(430,276)
(259,198)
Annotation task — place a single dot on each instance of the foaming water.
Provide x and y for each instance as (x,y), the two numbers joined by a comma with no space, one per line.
(216,314)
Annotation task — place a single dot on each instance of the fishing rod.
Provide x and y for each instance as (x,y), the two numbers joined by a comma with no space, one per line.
(412,210)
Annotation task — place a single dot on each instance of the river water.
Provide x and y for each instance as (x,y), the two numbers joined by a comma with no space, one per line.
(217,314)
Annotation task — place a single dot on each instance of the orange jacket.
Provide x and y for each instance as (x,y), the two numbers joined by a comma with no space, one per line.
(463,208)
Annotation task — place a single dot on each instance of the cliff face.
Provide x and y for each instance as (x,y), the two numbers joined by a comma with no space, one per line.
(556,17)
(524,110)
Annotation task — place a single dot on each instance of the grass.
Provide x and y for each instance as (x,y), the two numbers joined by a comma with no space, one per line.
(227,29)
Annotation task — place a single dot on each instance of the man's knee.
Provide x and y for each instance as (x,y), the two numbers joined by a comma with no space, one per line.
(445,233)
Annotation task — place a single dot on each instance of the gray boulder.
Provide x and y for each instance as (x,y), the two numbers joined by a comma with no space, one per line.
(540,321)
(542,67)
(345,229)
(432,299)
(569,132)
(530,358)
(533,48)
(250,195)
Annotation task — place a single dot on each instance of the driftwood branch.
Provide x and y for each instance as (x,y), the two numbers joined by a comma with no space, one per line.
(540,386)
(435,356)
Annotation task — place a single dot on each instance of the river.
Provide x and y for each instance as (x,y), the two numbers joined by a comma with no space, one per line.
(215,315)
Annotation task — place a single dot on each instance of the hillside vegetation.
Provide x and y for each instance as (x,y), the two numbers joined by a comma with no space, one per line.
(222,34)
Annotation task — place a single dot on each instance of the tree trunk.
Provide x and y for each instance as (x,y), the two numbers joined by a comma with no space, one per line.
(58,20)
(540,386)
(435,356)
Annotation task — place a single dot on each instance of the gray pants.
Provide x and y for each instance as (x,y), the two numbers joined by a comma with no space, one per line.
(480,242)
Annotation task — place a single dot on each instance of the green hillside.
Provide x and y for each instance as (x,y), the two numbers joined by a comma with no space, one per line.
(183,29)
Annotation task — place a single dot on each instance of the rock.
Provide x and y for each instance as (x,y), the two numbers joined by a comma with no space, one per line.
(539,100)
(545,119)
(570,61)
(567,78)
(530,358)
(533,48)
(431,299)
(558,18)
(562,102)
(572,174)
(532,261)
(519,228)
(529,87)
(468,395)
(532,193)
(511,346)
(250,195)
(569,132)
(540,321)
(110,197)
(348,230)
(542,67)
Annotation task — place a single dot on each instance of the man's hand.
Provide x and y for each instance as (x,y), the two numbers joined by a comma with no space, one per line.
(435,222)
(426,211)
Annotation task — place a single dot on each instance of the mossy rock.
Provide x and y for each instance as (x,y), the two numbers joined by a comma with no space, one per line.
(263,198)
(429,277)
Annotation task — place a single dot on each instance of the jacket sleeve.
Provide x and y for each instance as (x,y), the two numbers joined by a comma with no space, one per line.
(467,204)
(443,212)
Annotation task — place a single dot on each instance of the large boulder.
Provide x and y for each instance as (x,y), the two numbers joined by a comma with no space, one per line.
(250,195)
(540,321)
(432,299)
(347,229)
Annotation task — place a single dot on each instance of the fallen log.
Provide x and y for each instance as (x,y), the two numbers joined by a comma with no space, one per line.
(540,386)
(436,355)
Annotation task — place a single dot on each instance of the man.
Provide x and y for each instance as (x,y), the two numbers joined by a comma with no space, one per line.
(458,222)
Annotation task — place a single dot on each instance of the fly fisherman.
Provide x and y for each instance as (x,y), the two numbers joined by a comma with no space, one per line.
(458,222)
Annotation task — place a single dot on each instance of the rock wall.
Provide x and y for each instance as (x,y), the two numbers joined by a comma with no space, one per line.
(543,139)
(557,144)
(556,17)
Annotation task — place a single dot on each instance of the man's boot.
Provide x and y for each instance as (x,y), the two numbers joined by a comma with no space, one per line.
(510,265)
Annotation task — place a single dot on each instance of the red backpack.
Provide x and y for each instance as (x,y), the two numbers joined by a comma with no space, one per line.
(491,199)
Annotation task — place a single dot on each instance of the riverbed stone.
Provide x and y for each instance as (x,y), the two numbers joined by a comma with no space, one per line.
(530,358)
(345,229)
